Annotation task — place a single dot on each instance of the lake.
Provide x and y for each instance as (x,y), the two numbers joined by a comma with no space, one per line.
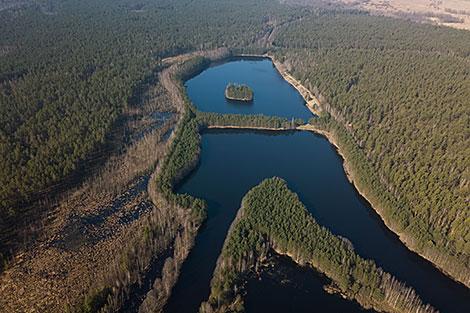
(232,162)
(272,94)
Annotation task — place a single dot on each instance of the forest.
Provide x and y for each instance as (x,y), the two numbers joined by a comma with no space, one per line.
(272,217)
(207,120)
(403,100)
(66,78)
(394,93)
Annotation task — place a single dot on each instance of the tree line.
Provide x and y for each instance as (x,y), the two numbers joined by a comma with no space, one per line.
(391,88)
(207,119)
(402,98)
(67,77)
(272,217)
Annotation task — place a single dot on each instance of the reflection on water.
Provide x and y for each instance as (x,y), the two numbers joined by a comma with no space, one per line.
(282,286)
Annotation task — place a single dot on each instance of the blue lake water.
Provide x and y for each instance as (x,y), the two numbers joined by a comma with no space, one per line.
(232,162)
(272,94)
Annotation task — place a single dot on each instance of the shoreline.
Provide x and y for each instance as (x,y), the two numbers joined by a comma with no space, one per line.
(275,248)
(348,169)
(352,176)
(331,139)
(250,128)
(306,94)
(246,100)
(311,101)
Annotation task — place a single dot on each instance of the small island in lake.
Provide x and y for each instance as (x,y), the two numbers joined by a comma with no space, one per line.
(238,92)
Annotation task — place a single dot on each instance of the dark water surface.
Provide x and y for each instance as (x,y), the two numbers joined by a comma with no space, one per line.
(232,162)
(301,288)
(272,94)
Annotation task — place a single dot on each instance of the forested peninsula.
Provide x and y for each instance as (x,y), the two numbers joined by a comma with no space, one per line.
(356,278)
(272,217)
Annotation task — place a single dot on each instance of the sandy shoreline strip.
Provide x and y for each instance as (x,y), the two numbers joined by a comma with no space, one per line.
(314,105)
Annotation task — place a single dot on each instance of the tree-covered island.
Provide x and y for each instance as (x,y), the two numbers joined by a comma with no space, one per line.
(238,92)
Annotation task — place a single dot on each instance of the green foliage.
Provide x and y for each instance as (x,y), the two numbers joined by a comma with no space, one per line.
(206,119)
(402,97)
(183,157)
(191,68)
(66,77)
(272,215)
(358,31)
(238,92)
(397,94)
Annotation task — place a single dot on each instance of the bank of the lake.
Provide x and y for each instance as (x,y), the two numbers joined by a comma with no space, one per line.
(367,192)
(314,104)
(273,96)
(311,100)
(273,218)
(398,260)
